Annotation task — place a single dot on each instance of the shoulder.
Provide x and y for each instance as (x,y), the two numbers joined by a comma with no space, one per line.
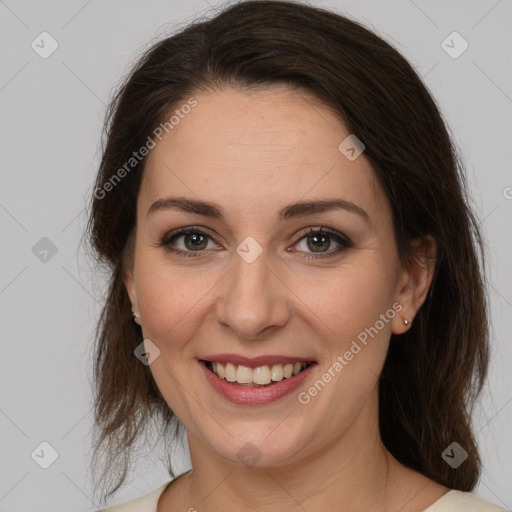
(147,503)
(458,501)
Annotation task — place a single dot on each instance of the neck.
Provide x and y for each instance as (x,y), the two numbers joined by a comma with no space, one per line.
(353,472)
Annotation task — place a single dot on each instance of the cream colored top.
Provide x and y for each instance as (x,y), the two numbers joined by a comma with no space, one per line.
(452,501)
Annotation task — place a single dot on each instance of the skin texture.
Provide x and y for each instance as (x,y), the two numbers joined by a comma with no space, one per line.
(252,153)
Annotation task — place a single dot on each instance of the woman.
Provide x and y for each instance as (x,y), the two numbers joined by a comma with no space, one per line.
(285,218)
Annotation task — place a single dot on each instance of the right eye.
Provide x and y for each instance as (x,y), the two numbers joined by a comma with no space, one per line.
(193,242)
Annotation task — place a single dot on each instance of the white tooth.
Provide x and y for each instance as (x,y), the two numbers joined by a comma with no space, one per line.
(297,367)
(244,375)
(230,372)
(261,375)
(220,370)
(277,372)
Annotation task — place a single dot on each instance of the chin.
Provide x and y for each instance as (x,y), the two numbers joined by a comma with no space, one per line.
(262,446)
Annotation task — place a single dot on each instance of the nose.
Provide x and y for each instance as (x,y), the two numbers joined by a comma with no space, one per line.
(254,301)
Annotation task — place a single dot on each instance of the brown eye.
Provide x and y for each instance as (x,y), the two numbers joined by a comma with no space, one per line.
(317,243)
(321,241)
(195,241)
(188,242)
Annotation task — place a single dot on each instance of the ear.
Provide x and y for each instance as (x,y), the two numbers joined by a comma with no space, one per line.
(129,283)
(128,264)
(414,282)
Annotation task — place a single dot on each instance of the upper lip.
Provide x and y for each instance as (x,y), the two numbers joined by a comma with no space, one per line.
(254,362)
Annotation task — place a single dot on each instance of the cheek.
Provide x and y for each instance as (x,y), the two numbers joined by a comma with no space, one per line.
(354,309)
(348,300)
(172,301)
(356,305)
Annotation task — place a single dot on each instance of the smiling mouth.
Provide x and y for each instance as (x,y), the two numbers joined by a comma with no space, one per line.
(260,377)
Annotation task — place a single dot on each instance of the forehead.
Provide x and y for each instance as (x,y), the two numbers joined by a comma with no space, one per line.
(263,148)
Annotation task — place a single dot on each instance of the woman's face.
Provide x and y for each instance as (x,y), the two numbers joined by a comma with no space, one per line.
(249,281)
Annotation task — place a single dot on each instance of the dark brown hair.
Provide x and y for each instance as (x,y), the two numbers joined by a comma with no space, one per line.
(435,371)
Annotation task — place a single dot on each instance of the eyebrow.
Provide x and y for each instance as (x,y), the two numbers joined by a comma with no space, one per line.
(297,209)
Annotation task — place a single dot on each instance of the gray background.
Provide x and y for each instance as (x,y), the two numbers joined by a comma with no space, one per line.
(52,111)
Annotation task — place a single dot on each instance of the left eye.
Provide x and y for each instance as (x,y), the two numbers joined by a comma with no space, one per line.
(320,241)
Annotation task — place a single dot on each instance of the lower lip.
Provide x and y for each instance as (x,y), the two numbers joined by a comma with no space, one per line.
(255,396)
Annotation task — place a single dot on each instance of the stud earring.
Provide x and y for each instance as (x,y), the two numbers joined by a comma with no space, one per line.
(406,322)
(135,315)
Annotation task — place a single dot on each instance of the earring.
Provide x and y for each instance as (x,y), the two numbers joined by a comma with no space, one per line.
(406,322)
(135,315)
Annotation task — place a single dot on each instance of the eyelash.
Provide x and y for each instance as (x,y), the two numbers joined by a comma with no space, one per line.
(345,242)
